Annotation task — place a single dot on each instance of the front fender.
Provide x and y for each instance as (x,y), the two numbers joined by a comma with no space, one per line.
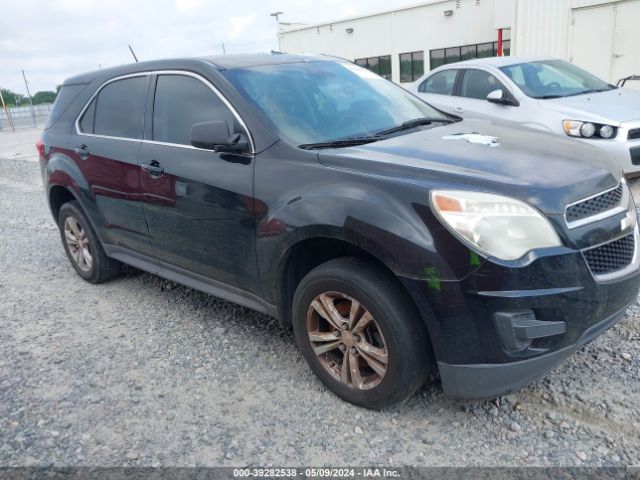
(392,223)
(367,219)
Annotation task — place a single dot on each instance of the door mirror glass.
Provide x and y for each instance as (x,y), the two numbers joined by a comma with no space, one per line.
(214,135)
(496,96)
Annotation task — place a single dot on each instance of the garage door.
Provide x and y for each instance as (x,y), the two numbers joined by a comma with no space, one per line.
(605,39)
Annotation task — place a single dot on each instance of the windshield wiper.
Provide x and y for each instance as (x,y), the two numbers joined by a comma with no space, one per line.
(345,142)
(416,122)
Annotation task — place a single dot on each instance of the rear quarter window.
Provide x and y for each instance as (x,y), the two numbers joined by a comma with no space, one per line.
(66,95)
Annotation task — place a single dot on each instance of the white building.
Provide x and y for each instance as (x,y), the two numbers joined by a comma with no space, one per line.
(602,36)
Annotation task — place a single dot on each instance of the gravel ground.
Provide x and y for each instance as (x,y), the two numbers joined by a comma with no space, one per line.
(141,371)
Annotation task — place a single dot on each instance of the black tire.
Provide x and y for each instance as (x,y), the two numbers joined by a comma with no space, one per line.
(410,357)
(101,268)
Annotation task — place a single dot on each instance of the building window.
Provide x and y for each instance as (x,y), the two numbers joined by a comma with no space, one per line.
(443,56)
(411,66)
(380,65)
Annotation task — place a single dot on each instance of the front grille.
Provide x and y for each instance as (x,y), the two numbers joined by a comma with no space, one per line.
(634,134)
(595,205)
(611,256)
(635,155)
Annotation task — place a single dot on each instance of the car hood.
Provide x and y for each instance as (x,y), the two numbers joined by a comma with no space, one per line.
(615,106)
(544,169)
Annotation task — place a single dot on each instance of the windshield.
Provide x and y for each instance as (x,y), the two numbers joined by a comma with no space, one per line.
(553,79)
(324,101)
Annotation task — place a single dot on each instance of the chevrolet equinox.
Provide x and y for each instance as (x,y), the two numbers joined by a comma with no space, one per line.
(394,239)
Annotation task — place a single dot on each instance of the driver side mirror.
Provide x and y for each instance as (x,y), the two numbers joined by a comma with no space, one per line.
(214,135)
(498,96)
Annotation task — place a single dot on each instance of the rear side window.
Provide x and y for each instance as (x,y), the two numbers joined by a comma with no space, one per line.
(118,109)
(441,83)
(66,95)
(180,102)
(478,84)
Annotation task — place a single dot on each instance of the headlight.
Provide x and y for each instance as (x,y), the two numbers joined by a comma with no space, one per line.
(494,225)
(576,128)
(606,131)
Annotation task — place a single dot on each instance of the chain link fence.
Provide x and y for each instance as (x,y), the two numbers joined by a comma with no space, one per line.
(24,117)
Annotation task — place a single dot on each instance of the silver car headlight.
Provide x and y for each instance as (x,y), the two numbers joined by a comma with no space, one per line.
(494,225)
(576,128)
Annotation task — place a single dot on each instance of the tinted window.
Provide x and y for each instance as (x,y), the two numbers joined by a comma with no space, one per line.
(478,84)
(179,103)
(436,58)
(120,108)
(88,117)
(66,95)
(467,53)
(379,65)
(440,83)
(485,50)
(411,66)
(452,55)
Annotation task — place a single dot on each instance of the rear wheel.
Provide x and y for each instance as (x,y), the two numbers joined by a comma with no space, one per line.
(360,333)
(83,247)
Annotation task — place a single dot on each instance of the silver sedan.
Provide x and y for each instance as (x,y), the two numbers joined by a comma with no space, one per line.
(544,93)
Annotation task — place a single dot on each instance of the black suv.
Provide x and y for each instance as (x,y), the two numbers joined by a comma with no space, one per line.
(395,240)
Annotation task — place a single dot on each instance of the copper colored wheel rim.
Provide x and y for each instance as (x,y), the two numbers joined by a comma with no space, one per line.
(347,340)
(78,244)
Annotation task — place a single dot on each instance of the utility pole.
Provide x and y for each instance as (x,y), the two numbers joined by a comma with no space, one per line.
(6,112)
(33,112)
(224,52)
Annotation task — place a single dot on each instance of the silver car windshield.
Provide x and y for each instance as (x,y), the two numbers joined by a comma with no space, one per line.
(325,101)
(553,79)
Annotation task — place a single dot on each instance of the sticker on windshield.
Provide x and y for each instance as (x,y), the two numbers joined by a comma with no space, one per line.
(474,138)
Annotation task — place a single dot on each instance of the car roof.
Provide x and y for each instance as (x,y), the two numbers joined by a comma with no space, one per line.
(497,61)
(219,62)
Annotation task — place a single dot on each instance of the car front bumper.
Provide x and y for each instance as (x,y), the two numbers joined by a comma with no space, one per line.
(624,150)
(476,358)
(482,381)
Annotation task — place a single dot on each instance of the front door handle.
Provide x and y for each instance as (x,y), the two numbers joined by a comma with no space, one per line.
(459,109)
(153,168)
(82,152)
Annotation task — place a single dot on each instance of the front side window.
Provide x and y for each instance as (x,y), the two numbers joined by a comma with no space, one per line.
(411,66)
(324,101)
(553,79)
(478,84)
(180,102)
(440,83)
(117,110)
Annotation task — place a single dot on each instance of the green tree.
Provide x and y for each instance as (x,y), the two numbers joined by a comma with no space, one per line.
(44,97)
(11,98)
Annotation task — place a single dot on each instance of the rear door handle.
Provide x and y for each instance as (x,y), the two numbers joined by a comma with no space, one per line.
(82,152)
(153,168)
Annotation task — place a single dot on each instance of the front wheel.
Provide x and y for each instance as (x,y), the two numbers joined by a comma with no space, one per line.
(360,334)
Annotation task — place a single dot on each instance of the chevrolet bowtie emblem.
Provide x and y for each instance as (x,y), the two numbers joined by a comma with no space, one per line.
(629,221)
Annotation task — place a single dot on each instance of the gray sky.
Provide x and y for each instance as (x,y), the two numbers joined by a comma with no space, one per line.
(54,39)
